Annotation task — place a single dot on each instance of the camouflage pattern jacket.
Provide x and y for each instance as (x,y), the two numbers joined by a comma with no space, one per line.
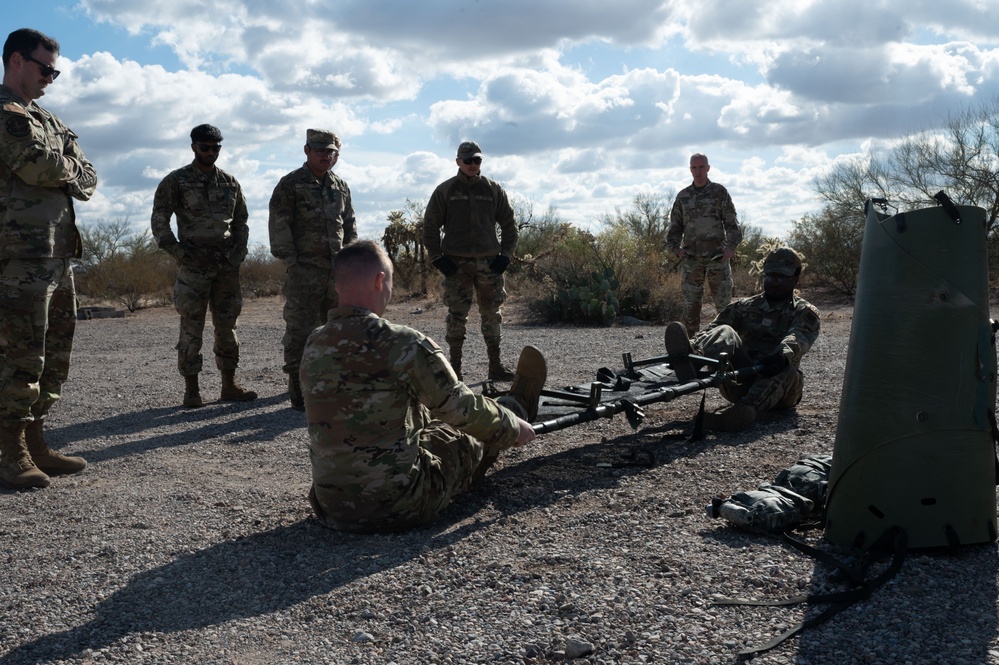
(468,210)
(791,326)
(42,170)
(371,387)
(310,219)
(703,221)
(211,216)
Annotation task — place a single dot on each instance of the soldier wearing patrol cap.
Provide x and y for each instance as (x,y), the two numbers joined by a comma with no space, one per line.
(311,218)
(775,328)
(209,247)
(42,170)
(472,255)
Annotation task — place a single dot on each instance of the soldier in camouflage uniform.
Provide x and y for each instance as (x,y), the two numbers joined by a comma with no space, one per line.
(471,256)
(311,218)
(42,170)
(394,436)
(704,233)
(209,246)
(775,328)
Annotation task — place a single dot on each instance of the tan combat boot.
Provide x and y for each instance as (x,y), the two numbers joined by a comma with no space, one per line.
(232,391)
(295,392)
(454,350)
(46,459)
(733,418)
(192,393)
(497,371)
(678,347)
(16,468)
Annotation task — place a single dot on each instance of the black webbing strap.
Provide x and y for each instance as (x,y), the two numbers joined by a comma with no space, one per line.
(892,542)
(948,205)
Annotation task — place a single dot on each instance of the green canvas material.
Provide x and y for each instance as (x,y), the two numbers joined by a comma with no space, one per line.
(913,442)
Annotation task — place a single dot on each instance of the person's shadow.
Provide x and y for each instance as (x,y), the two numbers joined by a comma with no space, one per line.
(267,572)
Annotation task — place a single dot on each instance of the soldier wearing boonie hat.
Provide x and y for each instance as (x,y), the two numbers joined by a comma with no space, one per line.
(472,255)
(774,328)
(311,218)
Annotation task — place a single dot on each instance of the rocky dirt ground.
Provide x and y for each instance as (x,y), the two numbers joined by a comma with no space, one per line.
(188,539)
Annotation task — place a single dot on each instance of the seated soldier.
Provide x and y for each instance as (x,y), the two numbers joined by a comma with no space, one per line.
(775,328)
(393,434)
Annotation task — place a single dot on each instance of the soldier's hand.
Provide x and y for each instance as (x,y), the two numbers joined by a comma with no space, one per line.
(526,433)
(774,364)
(446,265)
(499,264)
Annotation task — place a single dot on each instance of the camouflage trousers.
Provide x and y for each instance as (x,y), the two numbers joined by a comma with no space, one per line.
(473,279)
(445,467)
(37,323)
(763,393)
(199,288)
(308,295)
(694,272)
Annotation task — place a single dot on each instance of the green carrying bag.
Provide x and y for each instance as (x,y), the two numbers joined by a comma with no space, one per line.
(914,441)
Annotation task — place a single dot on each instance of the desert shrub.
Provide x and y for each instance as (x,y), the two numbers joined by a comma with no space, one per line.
(142,277)
(403,242)
(261,274)
(832,242)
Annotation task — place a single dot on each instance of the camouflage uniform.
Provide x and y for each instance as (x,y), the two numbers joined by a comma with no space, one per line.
(213,231)
(468,210)
(310,220)
(41,170)
(380,462)
(703,222)
(752,328)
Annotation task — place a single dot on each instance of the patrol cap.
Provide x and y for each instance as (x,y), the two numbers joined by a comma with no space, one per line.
(469,149)
(322,139)
(783,261)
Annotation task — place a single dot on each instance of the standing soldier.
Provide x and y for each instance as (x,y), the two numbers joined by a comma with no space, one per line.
(212,231)
(311,218)
(42,170)
(472,256)
(704,233)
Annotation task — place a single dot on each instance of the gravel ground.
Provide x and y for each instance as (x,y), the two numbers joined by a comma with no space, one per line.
(188,539)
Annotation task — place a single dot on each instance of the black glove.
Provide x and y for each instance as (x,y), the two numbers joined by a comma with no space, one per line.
(499,264)
(446,265)
(774,364)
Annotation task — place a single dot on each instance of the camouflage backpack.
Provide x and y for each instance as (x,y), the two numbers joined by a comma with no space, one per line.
(796,497)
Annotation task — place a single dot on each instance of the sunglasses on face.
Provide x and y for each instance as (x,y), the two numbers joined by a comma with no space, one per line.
(208,147)
(46,70)
(473,160)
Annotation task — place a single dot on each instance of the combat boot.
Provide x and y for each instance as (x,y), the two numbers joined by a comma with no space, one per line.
(232,391)
(734,418)
(47,460)
(454,349)
(529,380)
(295,392)
(678,347)
(497,371)
(16,468)
(192,393)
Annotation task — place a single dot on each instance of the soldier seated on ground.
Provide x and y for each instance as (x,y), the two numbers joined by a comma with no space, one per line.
(775,328)
(394,436)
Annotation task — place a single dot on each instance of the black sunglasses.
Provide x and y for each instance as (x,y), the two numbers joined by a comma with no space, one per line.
(473,160)
(46,70)
(208,147)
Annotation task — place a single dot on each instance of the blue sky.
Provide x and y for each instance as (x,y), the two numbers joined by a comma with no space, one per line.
(580,106)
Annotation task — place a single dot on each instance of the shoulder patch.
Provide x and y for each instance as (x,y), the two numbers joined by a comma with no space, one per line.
(17,126)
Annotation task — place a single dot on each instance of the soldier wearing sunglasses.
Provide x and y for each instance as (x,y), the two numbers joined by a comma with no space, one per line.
(209,247)
(42,169)
(472,255)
